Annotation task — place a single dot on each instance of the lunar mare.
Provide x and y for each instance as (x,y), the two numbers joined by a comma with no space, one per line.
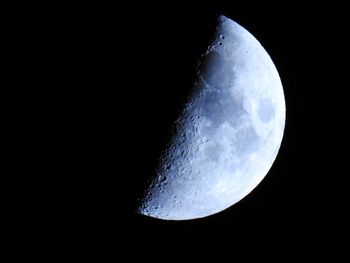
(228,134)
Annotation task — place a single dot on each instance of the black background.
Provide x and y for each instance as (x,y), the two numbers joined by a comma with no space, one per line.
(114,79)
(133,70)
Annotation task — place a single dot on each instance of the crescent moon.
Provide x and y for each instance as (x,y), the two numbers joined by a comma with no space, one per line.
(228,134)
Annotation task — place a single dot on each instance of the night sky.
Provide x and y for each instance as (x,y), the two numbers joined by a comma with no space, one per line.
(123,73)
(159,76)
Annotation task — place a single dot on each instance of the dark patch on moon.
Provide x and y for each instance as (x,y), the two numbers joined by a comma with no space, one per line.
(246,141)
(216,70)
(218,106)
(266,110)
(214,152)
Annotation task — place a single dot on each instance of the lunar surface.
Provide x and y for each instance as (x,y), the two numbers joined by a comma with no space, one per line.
(228,134)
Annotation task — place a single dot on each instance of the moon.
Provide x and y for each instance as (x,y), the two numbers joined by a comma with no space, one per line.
(228,134)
